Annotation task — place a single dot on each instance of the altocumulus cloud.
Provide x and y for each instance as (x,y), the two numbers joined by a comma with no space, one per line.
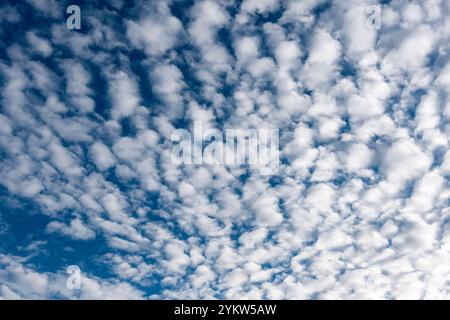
(359,207)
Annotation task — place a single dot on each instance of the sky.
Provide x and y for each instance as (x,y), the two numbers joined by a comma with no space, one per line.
(358,208)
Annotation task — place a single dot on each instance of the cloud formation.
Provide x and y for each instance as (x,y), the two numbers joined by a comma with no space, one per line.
(359,208)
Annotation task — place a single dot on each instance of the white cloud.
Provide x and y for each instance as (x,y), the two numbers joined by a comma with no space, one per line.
(156,33)
(41,45)
(124,95)
(404,160)
(102,156)
(76,229)
(358,209)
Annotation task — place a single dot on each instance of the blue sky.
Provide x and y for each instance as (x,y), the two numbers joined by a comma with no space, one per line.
(359,92)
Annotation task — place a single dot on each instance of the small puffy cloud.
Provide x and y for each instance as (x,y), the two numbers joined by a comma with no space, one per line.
(411,52)
(102,156)
(40,45)
(124,95)
(76,229)
(155,33)
(333,239)
(405,160)
(358,157)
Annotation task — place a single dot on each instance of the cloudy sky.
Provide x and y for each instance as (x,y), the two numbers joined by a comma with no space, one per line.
(358,209)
